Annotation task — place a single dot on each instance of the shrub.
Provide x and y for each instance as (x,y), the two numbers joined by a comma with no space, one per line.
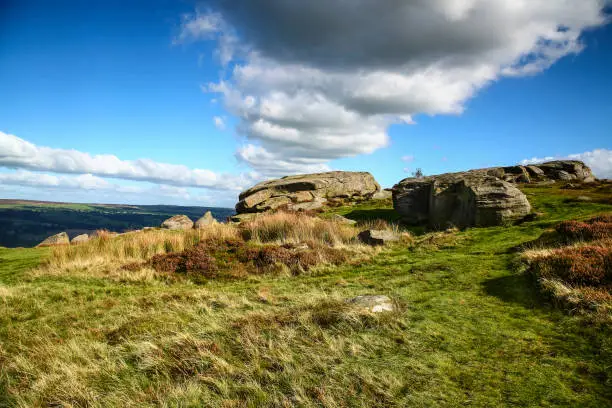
(583,265)
(594,229)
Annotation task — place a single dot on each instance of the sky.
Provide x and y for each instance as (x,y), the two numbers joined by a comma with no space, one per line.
(185,102)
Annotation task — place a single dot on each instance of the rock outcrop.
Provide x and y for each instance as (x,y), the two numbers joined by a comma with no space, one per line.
(308,191)
(206,220)
(558,170)
(482,197)
(57,239)
(178,222)
(459,199)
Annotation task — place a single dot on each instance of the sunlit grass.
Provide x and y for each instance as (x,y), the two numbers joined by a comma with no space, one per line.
(469,330)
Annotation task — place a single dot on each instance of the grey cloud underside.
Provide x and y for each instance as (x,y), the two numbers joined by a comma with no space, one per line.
(373,34)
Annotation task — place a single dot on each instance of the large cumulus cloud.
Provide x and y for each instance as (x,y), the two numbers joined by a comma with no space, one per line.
(318,80)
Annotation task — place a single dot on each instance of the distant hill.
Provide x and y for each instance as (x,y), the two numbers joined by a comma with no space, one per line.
(25,223)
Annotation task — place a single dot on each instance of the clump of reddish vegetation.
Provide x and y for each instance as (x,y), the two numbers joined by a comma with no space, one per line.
(584,265)
(594,229)
(578,274)
(234,258)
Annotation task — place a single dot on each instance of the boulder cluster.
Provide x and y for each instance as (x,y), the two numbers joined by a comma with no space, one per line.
(482,197)
(177,222)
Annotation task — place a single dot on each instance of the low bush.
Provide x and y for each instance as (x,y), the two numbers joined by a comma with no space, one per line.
(578,274)
(583,265)
(593,229)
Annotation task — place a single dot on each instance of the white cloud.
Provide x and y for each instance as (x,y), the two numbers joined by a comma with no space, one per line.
(17,153)
(408,158)
(219,122)
(599,160)
(314,81)
(92,189)
(81,182)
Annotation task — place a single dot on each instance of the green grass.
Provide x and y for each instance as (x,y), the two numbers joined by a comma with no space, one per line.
(470,331)
(367,211)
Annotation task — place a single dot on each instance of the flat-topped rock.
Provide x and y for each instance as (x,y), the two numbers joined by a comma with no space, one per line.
(178,222)
(373,303)
(307,191)
(57,239)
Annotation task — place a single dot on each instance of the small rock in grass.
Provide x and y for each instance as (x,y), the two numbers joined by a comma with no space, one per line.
(373,303)
(57,239)
(344,220)
(238,218)
(205,221)
(79,239)
(178,222)
(378,237)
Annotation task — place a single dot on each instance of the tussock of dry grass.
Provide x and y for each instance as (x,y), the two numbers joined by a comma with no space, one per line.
(292,228)
(113,251)
(280,242)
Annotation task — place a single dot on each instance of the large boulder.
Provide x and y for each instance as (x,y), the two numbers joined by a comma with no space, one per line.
(459,199)
(178,222)
(57,239)
(307,191)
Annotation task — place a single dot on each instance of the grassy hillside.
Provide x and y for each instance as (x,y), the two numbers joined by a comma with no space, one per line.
(27,223)
(469,331)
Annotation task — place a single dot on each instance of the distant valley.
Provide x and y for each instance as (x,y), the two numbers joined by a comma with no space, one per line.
(25,223)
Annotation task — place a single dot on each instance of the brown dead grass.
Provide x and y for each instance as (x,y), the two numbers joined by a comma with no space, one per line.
(293,228)
(284,242)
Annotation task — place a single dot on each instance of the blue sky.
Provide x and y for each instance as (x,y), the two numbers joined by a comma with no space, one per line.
(148,80)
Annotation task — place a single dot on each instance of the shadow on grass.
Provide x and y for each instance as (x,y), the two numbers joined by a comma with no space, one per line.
(519,288)
(387,214)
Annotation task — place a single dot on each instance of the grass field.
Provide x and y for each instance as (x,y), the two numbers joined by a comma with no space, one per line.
(469,331)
